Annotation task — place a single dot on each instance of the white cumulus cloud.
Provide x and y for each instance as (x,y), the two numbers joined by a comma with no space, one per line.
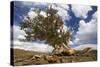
(62,11)
(32,14)
(71,43)
(43,13)
(17,33)
(81,10)
(86,31)
(31,46)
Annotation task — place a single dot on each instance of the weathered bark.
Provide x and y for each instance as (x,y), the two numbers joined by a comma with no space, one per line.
(52,58)
(57,50)
(63,50)
(65,46)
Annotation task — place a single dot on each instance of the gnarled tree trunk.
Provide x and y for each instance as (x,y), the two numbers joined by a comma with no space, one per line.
(63,50)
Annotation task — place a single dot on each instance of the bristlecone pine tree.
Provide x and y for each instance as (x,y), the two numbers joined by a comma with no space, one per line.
(46,28)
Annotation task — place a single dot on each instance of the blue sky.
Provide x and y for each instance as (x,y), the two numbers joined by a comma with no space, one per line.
(80,19)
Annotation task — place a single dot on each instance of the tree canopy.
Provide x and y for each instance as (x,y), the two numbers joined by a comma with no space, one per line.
(49,28)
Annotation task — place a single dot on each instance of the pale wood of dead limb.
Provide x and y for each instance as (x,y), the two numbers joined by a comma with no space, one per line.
(53,58)
(63,50)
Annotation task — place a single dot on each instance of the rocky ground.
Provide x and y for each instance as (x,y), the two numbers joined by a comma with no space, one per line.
(22,57)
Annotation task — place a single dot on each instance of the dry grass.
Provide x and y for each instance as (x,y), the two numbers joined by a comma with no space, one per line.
(22,57)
